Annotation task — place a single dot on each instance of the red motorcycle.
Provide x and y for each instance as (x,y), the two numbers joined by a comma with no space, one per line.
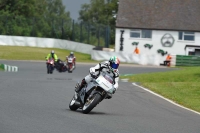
(50,65)
(70,63)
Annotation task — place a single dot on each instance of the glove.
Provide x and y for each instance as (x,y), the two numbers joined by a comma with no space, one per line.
(93,75)
(92,70)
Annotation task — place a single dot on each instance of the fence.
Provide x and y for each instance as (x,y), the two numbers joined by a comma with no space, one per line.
(83,32)
(141,59)
(182,60)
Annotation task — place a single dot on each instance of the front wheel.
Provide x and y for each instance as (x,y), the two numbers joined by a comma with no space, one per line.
(69,68)
(72,104)
(48,69)
(69,71)
(91,103)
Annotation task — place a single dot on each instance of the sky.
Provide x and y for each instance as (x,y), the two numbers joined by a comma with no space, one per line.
(74,7)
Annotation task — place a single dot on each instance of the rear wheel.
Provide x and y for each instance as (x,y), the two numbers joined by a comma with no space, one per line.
(91,103)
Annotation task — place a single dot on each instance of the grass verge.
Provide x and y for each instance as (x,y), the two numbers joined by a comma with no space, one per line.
(35,53)
(181,86)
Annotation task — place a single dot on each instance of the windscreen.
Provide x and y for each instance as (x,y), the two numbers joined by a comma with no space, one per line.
(108,78)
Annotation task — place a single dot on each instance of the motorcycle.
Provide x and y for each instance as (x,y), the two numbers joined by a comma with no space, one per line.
(92,93)
(61,66)
(70,64)
(50,65)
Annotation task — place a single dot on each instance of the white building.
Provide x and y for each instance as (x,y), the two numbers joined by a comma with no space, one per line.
(171,26)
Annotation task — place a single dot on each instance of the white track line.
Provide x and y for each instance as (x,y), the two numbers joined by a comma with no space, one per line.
(166,99)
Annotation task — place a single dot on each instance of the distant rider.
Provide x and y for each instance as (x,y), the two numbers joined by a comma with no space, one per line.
(52,55)
(110,66)
(72,56)
(57,62)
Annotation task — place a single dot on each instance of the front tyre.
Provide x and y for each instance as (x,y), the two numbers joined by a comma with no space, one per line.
(91,103)
(48,69)
(69,71)
(69,68)
(72,104)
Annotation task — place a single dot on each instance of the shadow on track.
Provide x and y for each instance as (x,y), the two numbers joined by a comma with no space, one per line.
(91,113)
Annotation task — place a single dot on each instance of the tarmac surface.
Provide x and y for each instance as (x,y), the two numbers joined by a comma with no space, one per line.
(32,101)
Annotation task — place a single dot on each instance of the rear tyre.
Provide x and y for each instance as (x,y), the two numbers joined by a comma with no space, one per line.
(91,103)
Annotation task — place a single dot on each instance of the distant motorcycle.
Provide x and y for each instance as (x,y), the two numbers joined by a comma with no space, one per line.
(70,64)
(61,66)
(50,65)
(92,93)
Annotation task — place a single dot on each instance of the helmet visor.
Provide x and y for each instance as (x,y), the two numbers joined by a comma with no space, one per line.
(114,66)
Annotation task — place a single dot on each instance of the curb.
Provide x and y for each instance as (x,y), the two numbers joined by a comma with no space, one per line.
(1,67)
(9,68)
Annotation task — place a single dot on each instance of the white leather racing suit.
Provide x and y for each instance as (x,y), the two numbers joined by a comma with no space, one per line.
(103,66)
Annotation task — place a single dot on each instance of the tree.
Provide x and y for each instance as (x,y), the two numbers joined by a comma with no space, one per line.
(24,8)
(17,15)
(58,18)
(47,18)
(100,11)
(33,17)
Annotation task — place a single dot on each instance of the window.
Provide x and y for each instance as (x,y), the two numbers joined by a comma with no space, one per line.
(140,33)
(188,36)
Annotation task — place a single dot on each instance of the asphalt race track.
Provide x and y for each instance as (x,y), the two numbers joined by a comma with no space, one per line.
(32,101)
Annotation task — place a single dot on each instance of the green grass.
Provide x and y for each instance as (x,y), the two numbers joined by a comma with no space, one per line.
(35,53)
(181,86)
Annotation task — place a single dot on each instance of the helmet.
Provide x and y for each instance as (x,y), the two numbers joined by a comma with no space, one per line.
(114,62)
(52,53)
(71,53)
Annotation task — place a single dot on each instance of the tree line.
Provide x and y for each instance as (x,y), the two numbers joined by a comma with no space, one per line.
(48,18)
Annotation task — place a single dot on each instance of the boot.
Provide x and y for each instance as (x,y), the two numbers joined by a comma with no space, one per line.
(79,87)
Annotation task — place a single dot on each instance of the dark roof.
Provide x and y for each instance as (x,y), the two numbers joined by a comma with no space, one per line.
(192,46)
(159,14)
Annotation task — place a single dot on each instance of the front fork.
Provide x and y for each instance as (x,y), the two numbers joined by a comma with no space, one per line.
(97,90)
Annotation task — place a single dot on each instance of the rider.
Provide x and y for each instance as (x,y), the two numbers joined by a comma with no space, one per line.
(52,55)
(72,56)
(110,66)
(58,62)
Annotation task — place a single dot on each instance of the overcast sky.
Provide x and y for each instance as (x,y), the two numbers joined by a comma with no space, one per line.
(74,7)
